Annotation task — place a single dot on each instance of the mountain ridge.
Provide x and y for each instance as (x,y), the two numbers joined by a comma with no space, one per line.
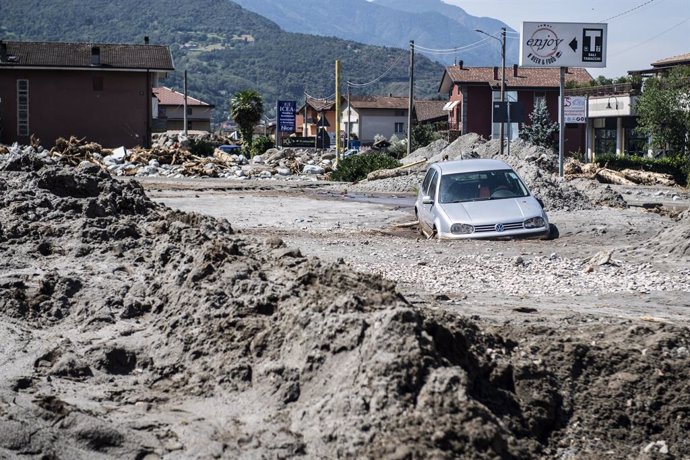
(224,48)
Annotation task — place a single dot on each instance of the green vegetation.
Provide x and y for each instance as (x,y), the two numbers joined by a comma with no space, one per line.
(246,108)
(201,148)
(664,112)
(261,144)
(541,131)
(356,167)
(224,48)
(423,135)
(676,166)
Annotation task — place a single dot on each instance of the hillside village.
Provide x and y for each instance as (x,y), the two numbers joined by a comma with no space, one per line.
(236,269)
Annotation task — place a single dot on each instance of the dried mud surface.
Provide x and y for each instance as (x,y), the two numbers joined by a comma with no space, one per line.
(132,330)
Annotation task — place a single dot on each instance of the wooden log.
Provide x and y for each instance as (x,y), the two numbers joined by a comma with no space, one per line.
(648,177)
(609,176)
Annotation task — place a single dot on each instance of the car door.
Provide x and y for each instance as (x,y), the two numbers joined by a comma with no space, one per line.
(425,211)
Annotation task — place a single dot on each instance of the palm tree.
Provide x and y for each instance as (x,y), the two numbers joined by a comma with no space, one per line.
(246,108)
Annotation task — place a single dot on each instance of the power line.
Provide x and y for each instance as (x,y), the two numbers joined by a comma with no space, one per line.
(628,11)
(377,79)
(654,37)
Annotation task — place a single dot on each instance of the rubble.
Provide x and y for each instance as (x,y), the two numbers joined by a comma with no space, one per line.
(132,330)
(170,157)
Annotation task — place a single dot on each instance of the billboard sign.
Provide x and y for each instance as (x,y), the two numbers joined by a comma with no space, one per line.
(575,109)
(286,116)
(563,44)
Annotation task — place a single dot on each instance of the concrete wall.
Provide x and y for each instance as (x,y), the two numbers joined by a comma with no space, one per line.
(65,103)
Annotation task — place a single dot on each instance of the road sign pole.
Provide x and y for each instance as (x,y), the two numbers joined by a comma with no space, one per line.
(561,123)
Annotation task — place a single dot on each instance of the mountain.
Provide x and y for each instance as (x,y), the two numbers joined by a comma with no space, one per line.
(224,47)
(430,23)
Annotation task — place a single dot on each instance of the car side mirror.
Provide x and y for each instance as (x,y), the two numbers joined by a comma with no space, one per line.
(426,199)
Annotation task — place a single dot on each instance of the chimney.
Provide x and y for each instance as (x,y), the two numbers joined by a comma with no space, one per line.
(515,70)
(96,55)
(146,39)
(461,63)
(495,73)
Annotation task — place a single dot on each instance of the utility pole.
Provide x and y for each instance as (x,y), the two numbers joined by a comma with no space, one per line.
(184,108)
(502,40)
(561,123)
(503,82)
(349,117)
(411,100)
(337,111)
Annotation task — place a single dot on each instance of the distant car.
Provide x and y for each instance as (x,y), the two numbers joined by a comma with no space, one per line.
(229,148)
(478,198)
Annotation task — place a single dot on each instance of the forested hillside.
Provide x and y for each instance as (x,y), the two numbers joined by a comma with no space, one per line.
(224,47)
(432,24)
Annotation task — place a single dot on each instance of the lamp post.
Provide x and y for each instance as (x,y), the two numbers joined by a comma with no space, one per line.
(502,40)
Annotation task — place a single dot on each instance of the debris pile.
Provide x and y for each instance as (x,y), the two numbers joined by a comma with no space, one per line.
(575,169)
(132,330)
(171,157)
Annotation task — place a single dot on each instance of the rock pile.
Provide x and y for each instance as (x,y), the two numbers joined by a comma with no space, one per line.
(171,157)
(131,330)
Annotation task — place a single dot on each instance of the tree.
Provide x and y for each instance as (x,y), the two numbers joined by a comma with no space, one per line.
(663,109)
(541,131)
(246,108)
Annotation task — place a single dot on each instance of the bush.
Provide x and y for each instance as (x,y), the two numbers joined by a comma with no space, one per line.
(200,148)
(261,144)
(677,166)
(356,167)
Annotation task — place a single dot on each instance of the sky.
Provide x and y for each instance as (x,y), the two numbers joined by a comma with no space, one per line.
(639,31)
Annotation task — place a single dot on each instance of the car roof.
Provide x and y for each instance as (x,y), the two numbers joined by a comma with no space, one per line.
(461,166)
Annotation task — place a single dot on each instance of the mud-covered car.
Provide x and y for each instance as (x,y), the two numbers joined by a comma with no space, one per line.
(478,198)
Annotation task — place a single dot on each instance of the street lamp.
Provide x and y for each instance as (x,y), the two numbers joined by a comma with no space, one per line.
(502,40)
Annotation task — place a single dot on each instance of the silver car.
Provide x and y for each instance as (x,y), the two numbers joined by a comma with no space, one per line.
(478,199)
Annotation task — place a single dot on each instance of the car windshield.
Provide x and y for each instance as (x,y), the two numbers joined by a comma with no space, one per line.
(481,185)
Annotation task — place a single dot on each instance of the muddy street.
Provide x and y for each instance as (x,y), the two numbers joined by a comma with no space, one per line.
(218,319)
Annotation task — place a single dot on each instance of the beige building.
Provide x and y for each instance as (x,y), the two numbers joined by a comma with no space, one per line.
(169,111)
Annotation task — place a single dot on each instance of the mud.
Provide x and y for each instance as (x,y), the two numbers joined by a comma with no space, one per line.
(132,330)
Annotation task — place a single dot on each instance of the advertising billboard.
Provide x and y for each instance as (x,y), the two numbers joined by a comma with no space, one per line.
(575,109)
(286,116)
(563,44)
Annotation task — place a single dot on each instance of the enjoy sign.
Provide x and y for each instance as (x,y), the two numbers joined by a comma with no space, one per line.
(563,44)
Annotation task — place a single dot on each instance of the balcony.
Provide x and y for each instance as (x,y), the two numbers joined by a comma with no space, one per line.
(618,89)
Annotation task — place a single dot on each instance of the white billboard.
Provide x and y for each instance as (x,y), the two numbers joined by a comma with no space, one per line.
(575,109)
(563,44)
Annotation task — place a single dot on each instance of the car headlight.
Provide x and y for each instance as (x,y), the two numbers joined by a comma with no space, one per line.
(461,229)
(535,222)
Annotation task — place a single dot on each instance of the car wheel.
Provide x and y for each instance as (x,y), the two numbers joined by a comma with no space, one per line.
(552,234)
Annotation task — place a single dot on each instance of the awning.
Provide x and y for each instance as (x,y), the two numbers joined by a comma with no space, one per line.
(450,105)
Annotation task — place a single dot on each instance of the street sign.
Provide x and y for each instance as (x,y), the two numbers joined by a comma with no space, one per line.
(563,44)
(575,109)
(286,116)
(500,112)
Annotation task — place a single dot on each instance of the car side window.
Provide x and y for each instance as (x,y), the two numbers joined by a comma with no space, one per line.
(432,186)
(427,179)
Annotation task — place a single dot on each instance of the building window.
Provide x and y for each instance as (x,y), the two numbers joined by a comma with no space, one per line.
(539,96)
(97,83)
(512,129)
(22,108)
(399,128)
(400,113)
(605,141)
(189,110)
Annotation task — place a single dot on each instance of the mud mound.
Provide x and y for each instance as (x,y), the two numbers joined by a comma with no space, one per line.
(674,240)
(132,330)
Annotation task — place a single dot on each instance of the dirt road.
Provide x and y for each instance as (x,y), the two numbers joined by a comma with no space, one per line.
(490,279)
(131,330)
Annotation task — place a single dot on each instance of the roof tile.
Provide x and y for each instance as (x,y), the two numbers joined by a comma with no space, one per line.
(78,55)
